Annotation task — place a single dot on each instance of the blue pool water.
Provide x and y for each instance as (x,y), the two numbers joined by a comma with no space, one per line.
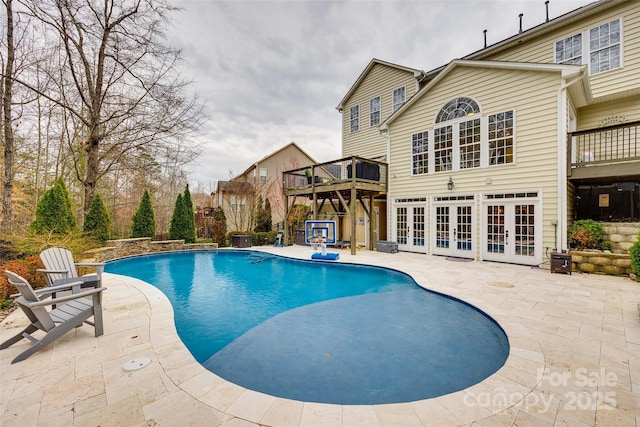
(321,332)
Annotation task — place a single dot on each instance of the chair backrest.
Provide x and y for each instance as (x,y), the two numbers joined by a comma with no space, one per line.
(59,259)
(28,294)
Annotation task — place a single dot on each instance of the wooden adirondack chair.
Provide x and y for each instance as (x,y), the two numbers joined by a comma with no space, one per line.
(59,268)
(72,311)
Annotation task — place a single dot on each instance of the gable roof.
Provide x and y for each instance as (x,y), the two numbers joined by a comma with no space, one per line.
(532,33)
(275,153)
(418,74)
(579,72)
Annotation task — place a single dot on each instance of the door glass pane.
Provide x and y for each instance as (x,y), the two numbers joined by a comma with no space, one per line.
(401,225)
(418,226)
(495,229)
(463,228)
(442,227)
(524,230)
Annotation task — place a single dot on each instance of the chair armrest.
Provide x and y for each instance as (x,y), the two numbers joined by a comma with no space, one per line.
(58,288)
(63,298)
(90,264)
(99,266)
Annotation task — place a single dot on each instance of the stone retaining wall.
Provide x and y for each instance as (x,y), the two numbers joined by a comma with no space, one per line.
(127,247)
(601,263)
(622,235)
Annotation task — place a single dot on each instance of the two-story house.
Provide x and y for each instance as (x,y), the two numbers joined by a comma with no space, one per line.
(260,182)
(492,156)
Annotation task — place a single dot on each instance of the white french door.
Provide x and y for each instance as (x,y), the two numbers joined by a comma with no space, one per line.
(410,227)
(512,231)
(453,229)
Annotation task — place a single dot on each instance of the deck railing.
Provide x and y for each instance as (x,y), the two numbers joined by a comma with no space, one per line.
(348,169)
(606,145)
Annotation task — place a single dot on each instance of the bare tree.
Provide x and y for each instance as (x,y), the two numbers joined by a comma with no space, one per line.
(116,82)
(7,100)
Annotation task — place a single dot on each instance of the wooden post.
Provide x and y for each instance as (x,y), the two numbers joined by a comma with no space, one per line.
(371,224)
(352,204)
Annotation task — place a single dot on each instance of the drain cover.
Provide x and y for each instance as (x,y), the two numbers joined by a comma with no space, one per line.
(135,364)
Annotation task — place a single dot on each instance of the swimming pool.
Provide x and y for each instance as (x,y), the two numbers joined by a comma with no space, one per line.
(321,332)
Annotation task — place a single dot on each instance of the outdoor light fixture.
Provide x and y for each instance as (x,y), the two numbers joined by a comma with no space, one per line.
(450,184)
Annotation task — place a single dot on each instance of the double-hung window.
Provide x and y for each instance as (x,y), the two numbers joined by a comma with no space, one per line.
(398,98)
(354,118)
(263,174)
(601,45)
(604,47)
(443,148)
(420,153)
(374,111)
(501,138)
(469,143)
(569,50)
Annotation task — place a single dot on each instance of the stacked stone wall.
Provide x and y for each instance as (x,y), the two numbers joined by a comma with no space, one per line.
(128,247)
(622,236)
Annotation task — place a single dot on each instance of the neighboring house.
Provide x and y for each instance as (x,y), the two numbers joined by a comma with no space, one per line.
(262,180)
(493,155)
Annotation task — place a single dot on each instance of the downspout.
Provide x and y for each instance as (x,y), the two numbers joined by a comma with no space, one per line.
(562,161)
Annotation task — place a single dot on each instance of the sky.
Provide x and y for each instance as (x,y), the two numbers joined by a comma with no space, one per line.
(273,72)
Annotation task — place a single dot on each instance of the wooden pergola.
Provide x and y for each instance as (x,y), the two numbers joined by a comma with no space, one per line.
(336,183)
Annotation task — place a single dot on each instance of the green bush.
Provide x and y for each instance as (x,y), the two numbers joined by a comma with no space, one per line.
(190,219)
(634,251)
(97,223)
(144,220)
(586,234)
(53,213)
(219,232)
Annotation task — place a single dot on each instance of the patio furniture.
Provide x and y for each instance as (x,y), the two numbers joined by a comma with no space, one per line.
(60,269)
(72,311)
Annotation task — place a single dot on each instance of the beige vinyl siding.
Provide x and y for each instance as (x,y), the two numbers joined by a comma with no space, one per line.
(533,97)
(602,84)
(609,113)
(380,81)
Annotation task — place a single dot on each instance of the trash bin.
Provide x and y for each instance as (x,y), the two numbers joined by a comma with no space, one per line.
(300,237)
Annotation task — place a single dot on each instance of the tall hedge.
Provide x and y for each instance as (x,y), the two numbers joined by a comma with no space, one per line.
(219,226)
(178,220)
(190,219)
(54,213)
(97,223)
(144,220)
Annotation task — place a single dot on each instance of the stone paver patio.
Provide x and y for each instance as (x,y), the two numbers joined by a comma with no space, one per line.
(574,360)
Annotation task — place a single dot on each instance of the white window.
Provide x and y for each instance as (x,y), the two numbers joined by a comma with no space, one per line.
(602,45)
(501,138)
(398,98)
(354,116)
(238,203)
(569,50)
(374,111)
(469,143)
(466,140)
(420,153)
(443,148)
(263,174)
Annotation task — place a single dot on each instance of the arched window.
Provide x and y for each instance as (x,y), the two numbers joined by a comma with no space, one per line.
(456,108)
